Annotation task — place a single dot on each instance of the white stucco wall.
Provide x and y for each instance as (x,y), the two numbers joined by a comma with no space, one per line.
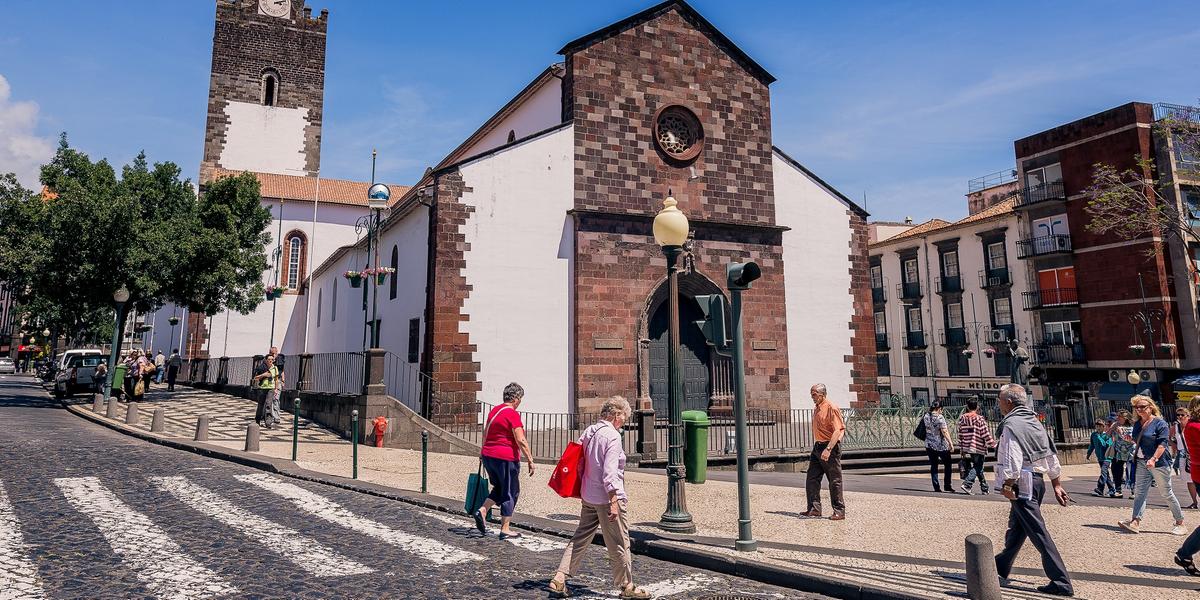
(518,272)
(541,111)
(817,275)
(267,139)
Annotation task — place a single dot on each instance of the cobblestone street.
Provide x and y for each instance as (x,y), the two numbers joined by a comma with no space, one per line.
(87,512)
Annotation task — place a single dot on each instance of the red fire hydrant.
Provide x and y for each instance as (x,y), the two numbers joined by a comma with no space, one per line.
(380,423)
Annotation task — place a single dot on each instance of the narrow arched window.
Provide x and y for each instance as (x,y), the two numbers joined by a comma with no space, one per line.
(395,271)
(295,248)
(320,293)
(512,136)
(270,87)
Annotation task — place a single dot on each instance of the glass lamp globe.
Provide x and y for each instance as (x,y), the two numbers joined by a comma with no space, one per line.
(670,224)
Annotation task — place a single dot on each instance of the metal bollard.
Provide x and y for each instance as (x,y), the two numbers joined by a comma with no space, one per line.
(131,413)
(156,424)
(98,404)
(251,437)
(424,461)
(983,583)
(354,442)
(111,411)
(201,429)
(295,426)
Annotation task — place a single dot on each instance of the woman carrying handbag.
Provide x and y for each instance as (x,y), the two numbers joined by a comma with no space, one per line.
(503,442)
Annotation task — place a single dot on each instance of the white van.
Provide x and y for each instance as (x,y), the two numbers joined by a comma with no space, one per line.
(65,357)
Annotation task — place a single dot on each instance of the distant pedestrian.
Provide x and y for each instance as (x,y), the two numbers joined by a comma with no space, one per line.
(1121,451)
(1025,456)
(1182,463)
(266,382)
(604,505)
(100,377)
(503,442)
(173,365)
(1191,431)
(938,446)
(1098,446)
(160,361)
(826,458)
(974,441)
(1151,436)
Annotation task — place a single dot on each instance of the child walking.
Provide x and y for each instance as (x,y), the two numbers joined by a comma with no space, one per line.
(1099,445)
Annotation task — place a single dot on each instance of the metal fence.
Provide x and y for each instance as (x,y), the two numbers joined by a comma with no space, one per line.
(405,382)
(337,372)
(239,370)
(547,433)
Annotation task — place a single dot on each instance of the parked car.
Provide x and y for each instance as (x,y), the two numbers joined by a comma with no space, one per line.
(65,357)
(77,376)
(7,365)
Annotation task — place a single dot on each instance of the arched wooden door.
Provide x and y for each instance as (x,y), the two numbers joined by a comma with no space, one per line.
(693,354)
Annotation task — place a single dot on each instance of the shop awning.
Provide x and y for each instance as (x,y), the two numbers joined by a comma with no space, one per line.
(1124,391)
(1187,383)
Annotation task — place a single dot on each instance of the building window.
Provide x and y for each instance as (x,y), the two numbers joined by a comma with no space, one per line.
(957,364)
(911,274)
(512,136)
(414,339)
(270,87)
(1060,332)
(320,293)
(920,396)
(880,324)
(914,319)
(883,366)
(1042,175)
(950,264)
(395,273)
(1003,364)
(295,261)
(333,308)
(1002,311)
(916,365)
(876,277)
(995,255)
(954,316)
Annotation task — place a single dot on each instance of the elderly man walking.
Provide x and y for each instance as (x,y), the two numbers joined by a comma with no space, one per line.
(826,458)
(1025,456)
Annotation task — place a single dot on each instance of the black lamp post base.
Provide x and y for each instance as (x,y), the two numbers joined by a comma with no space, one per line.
(746,545)
(677,523)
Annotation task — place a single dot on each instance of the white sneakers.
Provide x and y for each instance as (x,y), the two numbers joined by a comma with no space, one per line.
(1178,529)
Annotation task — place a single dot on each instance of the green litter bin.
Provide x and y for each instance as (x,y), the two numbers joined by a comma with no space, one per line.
(118,382)
(695,447)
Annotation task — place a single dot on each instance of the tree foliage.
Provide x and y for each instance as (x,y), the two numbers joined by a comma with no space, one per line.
(66,250)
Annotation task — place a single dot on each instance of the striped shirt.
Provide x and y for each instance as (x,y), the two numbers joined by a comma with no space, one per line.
(974,437)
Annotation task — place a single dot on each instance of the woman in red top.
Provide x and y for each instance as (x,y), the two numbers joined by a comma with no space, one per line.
(1191,435)
(503,443)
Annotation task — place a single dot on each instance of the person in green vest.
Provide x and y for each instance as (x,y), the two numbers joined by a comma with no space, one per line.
(266,382)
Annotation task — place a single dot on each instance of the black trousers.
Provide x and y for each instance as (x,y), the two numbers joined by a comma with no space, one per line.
(1025,522)
(260,397)
(1118,474)
(943,457)
(819,469)
(172,373)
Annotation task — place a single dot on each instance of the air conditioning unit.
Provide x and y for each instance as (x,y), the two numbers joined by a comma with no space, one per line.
(1146,375)
(997,336)
(1116,375)
(1041,355)
(1063,241)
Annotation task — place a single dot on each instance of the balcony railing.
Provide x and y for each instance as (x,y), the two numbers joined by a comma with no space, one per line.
(993,278)
(1043,245)
(909,290)
(1057,354)
(1037,194)
(948,284)
(914,339)
(1178,112)
(878,295)
(881,341)
(991,180)
(1050,298)
(955,336)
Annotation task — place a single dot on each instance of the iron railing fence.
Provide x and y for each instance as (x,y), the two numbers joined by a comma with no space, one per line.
(291,371)
(406,383)
(991,180)
(214,372)
(239,370)
(337,373)
(1036,194)
(1057,354)
(547,433)
(1046,244)
(1046,298)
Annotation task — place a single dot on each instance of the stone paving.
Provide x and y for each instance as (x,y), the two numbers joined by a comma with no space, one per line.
(87,512)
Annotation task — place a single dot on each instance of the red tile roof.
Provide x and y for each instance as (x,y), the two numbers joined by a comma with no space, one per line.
(996,211)
(296,187)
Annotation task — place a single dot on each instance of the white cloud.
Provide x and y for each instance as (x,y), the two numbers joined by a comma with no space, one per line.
(22,151)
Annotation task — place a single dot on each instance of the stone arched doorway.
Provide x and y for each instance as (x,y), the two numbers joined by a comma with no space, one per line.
(706,376)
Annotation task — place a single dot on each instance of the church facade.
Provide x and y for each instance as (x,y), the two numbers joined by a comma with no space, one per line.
(526,254)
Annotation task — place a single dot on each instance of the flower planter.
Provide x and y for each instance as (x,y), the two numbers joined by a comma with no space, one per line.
(1137,349)
(173,321)
(355,281)
(278,293)
(380,278)
(968,353)
(1168,348)
(988,352)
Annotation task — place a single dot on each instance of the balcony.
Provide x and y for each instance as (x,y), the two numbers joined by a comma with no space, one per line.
(994,278)
(909,290)
(948,285)
(955,336)
(914,339)
(881,342)
(1059,243)
(1050,298)
(1057,354)
(1039,194)
(878,295)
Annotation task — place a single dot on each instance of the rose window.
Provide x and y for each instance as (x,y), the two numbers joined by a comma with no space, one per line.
(678,133)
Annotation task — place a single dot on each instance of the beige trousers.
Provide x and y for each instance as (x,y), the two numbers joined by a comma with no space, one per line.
(616,539)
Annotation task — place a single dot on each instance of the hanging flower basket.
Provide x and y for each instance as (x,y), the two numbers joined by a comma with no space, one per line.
(1168,348)
(968,353)
(278,293)
(355,278)
(989,352)
(269,292)
(381,274)
(1137,349)
(173,321)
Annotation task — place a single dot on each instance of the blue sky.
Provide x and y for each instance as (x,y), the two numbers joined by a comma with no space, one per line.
(902,102)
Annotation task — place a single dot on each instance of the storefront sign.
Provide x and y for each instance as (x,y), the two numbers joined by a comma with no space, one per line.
(959,383)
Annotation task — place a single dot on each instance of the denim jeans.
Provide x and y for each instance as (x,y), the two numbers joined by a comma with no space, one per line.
(1105,480)
(975,471)
(1162,476)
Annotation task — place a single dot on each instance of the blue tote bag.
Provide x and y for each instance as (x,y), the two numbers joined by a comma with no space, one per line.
(477,483)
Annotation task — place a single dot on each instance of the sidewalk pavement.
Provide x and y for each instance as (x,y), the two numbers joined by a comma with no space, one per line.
(909,544)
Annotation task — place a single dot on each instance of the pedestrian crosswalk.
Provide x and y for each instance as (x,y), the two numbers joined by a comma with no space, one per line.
(148,524)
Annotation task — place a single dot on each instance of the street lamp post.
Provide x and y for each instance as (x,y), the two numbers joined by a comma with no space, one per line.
(1146,317)
(671,232)
(278,278)
(120,297)
(377,200)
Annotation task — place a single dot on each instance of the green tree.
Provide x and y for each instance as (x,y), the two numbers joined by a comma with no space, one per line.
(69,248)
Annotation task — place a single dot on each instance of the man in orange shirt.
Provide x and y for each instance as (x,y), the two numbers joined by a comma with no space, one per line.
(826,458)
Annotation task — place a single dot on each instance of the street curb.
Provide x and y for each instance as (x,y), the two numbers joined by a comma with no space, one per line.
(670,549)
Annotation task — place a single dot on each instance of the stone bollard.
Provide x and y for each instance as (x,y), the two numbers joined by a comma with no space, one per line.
(98,404)
(111,411)
(202,429)
(252,437)
(131,413)
(983,583)
(157,425)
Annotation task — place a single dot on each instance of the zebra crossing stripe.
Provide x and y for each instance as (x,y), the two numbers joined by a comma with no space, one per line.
(156,560)
(527,541)
(328,510)
(18,576)
(305,552)
(668,588)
